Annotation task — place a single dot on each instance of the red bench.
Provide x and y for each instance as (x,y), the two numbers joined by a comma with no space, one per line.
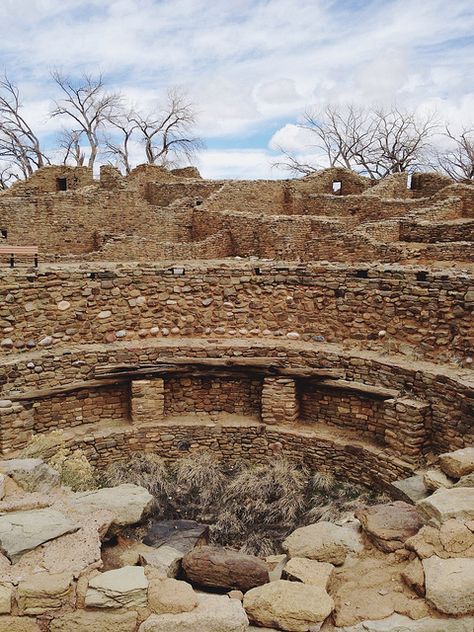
(19,250)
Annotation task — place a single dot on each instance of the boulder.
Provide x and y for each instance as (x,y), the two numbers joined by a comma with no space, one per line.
(444,504)
(41,592)
(414,577)
(165,559)
(128,503)
(389,525)
(435,479)
(458,463)
(453,538)
(6,591)
(324,542)
(308,571)
(216,567)
(33,475)
(100,621)
(18,624)
(124,587)
(171,596)
(450,584)
(182,535)
(466,481)
(399,623)
(410,489)
(22,531)
(291,606)
(214,613)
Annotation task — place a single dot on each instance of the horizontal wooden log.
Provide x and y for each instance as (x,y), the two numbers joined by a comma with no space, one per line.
(43,393)
(369,390)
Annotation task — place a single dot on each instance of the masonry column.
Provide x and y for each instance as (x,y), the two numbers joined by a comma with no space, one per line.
(406,427)
(16,425)
(279,400)
(147,400)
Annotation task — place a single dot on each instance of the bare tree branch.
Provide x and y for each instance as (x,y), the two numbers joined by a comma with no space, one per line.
(88,104)
(458,161)
(19,144)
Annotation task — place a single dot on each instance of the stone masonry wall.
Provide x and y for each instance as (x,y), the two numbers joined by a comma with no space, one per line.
(240,396)
(430,311)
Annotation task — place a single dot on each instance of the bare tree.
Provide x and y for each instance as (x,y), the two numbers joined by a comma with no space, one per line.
(19,145)
(458,161)
(117,147)
(372,141)
(70,143)
(89,104)
(168,133)
(8,175)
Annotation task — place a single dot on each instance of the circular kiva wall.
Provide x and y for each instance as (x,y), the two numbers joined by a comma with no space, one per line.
(364,415)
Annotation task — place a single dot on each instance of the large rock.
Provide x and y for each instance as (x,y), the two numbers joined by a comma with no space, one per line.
(449,503)
(466,481)
(182,535)
(400,623)
(33,475)
(128,503)
(410,489)
(100,621)
(308,571)
(18,624)
(453,538)
(291,606)
(414,576)
(22,531)
(165,559)
(389,525)
(324,542)
(458,463)
(41,592)
(213,613)
(216,567)
(124,587)
(171,596)
(435,479)
(450,584)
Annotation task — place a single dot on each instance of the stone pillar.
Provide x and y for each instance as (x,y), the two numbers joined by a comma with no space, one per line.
(279,400)
(16,425)
(147,400)
(406,427)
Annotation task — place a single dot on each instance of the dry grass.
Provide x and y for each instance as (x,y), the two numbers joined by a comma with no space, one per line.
(251,507)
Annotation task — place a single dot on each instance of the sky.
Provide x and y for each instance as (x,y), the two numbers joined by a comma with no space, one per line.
(251,67)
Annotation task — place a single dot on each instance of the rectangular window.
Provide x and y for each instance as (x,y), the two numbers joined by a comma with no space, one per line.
(61,184)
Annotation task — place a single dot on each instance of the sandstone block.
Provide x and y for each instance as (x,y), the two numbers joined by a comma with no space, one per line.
(449,503)
(6,591)
(450,584)
(290,606)
(33,475)
(128,503)
(458,463)
(22,531)
(400,623)
(165,559)
(324,542)
(389,525)
(100,621)
(171,596)
(42,592)
(18,624)
(308,571)
(213,613)
(124,587)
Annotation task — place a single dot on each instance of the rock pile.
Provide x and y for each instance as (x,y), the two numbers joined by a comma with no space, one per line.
(393,567)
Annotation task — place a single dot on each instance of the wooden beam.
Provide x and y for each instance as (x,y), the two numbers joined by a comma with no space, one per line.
(42,393)
(369,390)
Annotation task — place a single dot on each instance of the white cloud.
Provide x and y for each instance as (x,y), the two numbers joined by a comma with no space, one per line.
(248,64)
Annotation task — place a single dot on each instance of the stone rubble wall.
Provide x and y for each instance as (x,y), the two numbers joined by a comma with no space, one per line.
(429,311)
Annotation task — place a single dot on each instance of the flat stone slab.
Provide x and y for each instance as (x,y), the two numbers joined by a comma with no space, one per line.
(21,531)
(411,489)
(214,613)
(98,621)
(123,587)
(450,584)
(33,475)
(400,623)
(166,559)
(444,504)
(323,541)
(458,463)
(308,571)
(128,503)
(182,535)
(389,525)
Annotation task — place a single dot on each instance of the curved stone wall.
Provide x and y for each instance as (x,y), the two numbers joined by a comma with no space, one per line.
(427,314)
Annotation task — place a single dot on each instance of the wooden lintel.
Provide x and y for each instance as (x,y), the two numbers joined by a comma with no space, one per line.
(42,393)
(369,390)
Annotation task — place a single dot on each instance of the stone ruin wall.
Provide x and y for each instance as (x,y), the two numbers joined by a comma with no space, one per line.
(399,336)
